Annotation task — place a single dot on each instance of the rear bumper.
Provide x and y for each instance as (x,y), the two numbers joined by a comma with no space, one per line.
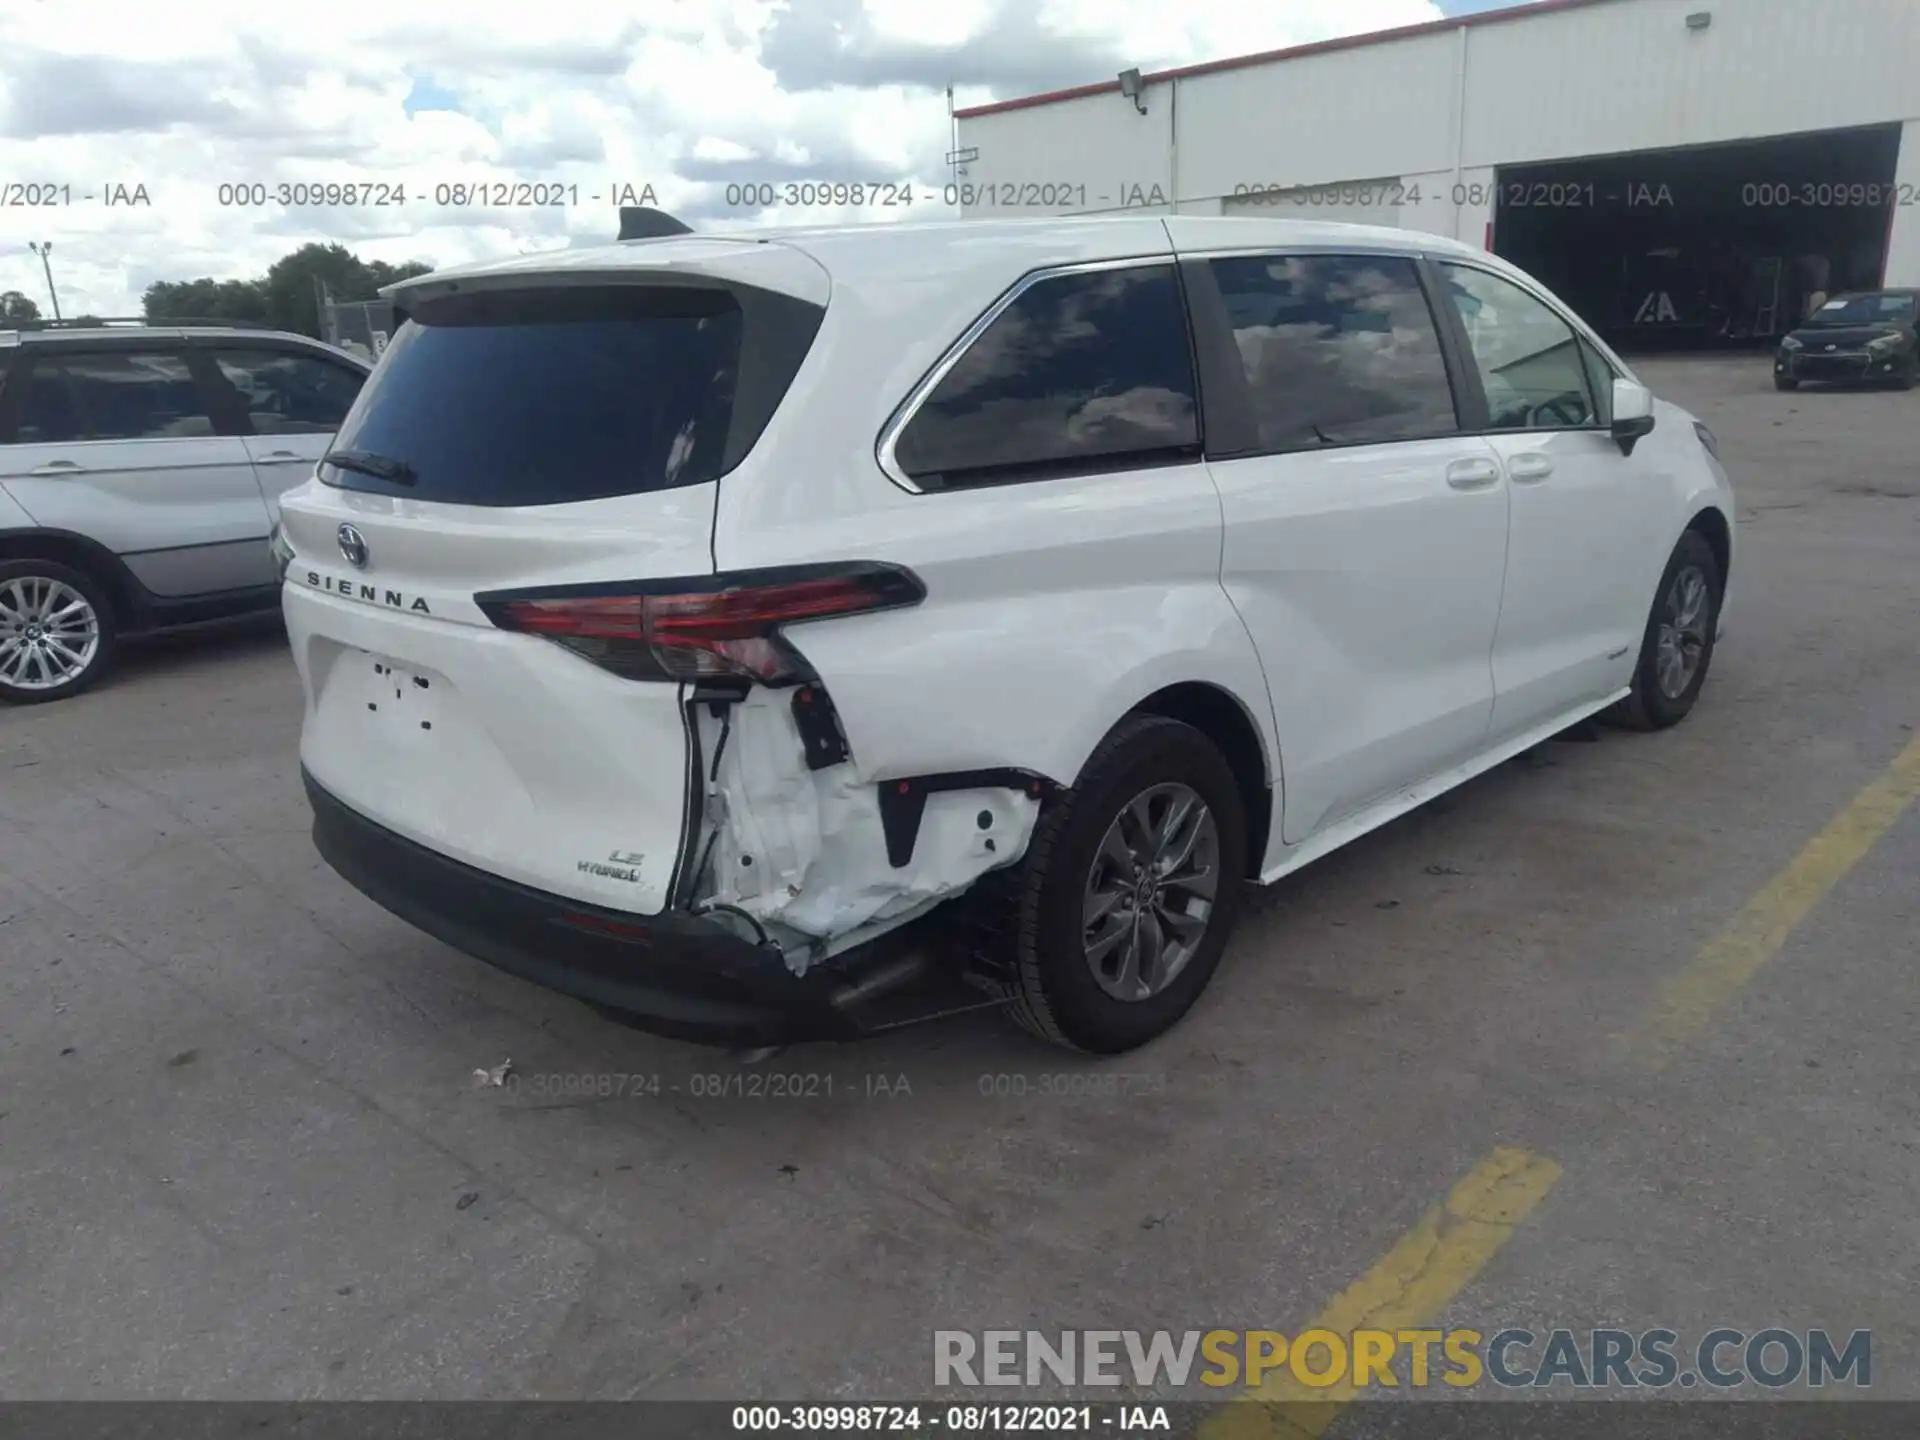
(675,974)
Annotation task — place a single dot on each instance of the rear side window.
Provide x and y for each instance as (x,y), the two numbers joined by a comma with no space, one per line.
(1080,373)
(287,393)
(554,396)
(1336,349)
(111,395)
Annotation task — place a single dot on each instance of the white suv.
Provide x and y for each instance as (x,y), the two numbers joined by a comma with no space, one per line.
(681,617)
(141,467)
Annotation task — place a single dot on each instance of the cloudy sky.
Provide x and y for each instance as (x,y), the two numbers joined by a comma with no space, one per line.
(685,95)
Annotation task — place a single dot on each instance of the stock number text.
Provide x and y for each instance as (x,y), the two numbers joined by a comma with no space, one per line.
(1070,1085)
(1260,193)
(1780,195)
(883,195)
(300,193)
(990,1419)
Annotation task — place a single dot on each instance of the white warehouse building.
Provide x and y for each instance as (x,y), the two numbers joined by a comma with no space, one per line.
(1681,171)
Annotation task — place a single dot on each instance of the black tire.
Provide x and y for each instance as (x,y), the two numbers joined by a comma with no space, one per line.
(1035,914)
(1908,377)
(1782,382)
(95,594)
(1649,706)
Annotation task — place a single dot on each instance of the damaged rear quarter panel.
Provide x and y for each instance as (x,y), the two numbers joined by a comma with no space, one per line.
(805,849)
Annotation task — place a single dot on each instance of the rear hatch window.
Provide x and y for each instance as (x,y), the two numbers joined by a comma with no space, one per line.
(546,397)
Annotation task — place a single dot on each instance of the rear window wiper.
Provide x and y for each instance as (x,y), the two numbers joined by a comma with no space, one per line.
(365,462)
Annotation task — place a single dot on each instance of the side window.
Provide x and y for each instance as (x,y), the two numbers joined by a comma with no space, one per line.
(1080,373)
(285,393)
(113,395)
(1337,349)
(1528,358)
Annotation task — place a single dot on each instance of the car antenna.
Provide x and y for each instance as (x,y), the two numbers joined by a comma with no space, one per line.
(643,222)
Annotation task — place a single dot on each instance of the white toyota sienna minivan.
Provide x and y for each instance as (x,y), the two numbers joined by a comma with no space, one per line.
(679,619)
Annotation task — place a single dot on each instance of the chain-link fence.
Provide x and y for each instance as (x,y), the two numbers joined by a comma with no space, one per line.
(362,326)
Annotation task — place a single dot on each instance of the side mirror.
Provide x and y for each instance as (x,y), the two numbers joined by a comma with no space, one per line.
(1632,414)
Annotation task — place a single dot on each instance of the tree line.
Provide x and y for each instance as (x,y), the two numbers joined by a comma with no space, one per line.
(286,297)
(16,306)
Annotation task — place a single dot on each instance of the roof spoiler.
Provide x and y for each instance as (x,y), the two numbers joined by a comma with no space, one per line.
(643,222)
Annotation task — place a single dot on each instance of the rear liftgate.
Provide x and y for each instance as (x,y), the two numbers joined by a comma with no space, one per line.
(787,840)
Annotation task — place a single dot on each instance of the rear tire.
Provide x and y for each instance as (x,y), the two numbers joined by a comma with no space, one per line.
(1677,648)
(56,631)
(1164,787)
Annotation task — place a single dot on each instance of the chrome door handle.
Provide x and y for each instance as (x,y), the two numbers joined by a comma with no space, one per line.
(1529,469)
(58,467)
(280,457)
(1473,474)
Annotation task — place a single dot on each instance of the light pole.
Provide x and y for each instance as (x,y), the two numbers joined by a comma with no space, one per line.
(44,249)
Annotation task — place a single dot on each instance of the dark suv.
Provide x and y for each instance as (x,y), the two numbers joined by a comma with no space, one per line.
(1855,339)
(140,473)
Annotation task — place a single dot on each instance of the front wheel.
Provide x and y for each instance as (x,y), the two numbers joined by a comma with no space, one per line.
(1117,918)
(1678,645)
(56,631)
(1782,382)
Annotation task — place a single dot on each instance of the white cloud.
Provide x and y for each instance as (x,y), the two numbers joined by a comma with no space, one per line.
(685,95)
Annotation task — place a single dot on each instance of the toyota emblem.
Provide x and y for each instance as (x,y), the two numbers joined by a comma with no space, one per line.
(353,545)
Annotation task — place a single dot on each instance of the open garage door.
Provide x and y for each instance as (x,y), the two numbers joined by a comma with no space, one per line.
(1709,245)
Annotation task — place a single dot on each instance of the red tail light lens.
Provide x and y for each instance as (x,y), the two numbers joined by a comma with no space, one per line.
(711,627)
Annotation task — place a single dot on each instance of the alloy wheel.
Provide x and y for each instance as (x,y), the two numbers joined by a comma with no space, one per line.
(49,633)
(1150,891)
(1682,640)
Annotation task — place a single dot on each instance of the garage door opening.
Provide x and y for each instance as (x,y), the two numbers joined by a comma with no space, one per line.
(1708,246)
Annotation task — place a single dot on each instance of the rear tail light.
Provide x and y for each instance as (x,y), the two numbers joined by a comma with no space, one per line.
(710,627)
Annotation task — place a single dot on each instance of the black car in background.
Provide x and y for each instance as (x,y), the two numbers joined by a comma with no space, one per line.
(1868,337)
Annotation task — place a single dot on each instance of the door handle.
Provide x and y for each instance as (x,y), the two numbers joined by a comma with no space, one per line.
(58,467)
(1529,469)
(280,457)
(1473,474)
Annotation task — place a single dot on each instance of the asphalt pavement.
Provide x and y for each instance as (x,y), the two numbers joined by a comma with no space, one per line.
(243,1152)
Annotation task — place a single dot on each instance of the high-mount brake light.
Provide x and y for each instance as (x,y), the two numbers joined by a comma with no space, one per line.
(706,628)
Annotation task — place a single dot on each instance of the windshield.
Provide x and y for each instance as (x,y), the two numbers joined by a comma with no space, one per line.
(1864,310)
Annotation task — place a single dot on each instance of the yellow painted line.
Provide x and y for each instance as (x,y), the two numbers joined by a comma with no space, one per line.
(1408,1289)
(1688,998)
